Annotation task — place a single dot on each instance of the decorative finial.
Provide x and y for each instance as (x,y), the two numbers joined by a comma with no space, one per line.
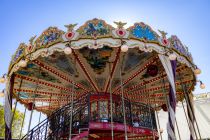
(22,45)
(70,27)
(120,24)
(187,48)
(163,33)
(31,40)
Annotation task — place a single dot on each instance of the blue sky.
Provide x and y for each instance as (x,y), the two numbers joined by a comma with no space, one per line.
(189,20)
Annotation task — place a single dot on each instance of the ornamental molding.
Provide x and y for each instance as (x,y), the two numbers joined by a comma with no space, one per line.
(97,33)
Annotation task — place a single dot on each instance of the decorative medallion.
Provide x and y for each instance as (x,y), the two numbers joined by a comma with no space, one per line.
(70,34)
(144,32)
(50,36)
(95,29)
(164,40)
(120,31)
(19,52)
(31,44)
(177,45)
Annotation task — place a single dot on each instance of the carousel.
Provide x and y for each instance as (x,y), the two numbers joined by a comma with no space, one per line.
(101,82)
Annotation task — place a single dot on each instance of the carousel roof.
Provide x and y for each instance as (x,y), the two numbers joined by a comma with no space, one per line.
(47,73)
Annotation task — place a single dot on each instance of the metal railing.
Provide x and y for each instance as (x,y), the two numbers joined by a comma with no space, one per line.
(57,125)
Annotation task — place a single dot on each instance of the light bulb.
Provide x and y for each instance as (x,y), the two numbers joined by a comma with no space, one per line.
(172,56)
(197,71)
(161,130)
(124,48)
(2,93)
(202,86)
(2,80)
(22,63)
(67,50)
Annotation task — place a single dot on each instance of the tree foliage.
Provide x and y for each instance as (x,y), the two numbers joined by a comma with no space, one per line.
(16,125)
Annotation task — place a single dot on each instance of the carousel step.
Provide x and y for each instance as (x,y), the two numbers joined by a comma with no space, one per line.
(81,135)
(83,129)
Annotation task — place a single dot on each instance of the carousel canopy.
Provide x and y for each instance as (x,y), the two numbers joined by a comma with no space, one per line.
(98,58)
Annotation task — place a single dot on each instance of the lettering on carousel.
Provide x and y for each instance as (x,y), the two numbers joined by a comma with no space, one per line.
(120,127)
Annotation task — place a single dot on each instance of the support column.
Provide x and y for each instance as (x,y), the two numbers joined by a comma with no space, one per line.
(8,109)
(170,69)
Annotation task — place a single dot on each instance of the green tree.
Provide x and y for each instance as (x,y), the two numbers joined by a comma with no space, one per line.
(16,125)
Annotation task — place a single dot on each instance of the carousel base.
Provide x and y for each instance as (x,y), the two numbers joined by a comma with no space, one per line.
(91,120)
(103,131)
